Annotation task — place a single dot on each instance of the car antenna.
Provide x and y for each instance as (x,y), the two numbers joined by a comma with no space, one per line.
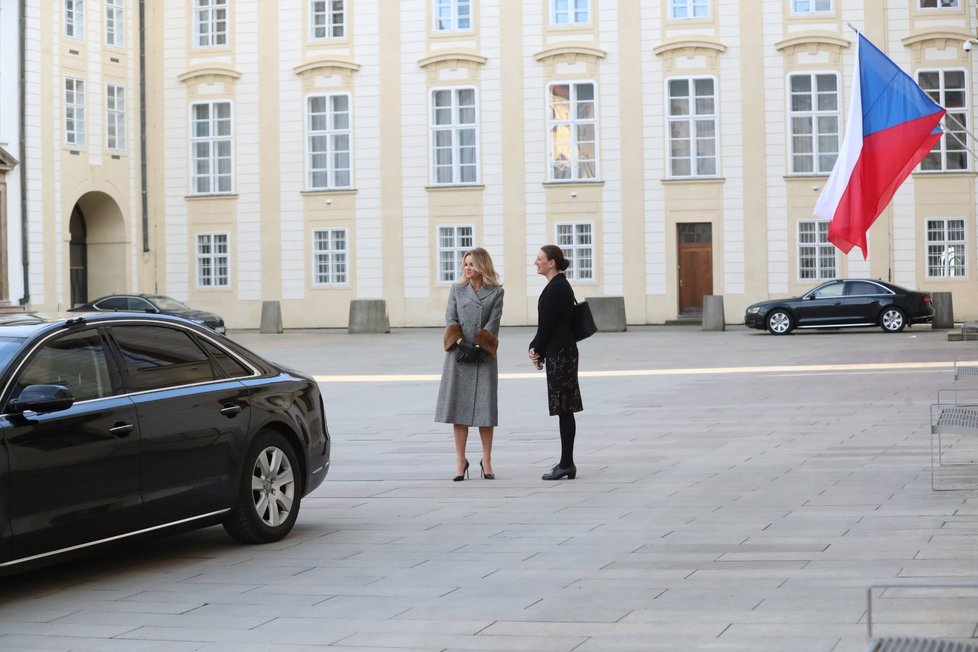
(77,321)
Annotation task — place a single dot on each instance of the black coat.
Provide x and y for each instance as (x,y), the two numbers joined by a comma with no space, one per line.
(555,317)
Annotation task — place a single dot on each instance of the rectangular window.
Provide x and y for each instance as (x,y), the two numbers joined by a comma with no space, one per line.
(213,260)
(454,136)
(948,88)
(113,23)
(814,120)
(453,242)
(680,9)
(453,15)
(939,4)
(575,241)
(816,255)
(210,148)
(693,142)
(75,18)
(811,6)
(210,23)
(115,117)
(329,256)
(572,127)
(946,252)
(328,140)
(74,111)
(327,19)
(570,12)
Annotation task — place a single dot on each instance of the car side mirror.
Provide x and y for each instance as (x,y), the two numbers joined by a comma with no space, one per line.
(152,311)
(42,398)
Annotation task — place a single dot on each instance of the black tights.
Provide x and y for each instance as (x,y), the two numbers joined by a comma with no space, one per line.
(568,428)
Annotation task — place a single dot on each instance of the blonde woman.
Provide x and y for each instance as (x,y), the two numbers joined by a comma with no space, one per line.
(467,395)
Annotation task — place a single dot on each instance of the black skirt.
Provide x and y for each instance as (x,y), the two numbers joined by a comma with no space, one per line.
(563,390)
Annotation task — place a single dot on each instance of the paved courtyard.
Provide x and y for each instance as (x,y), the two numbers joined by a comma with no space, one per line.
(736,491)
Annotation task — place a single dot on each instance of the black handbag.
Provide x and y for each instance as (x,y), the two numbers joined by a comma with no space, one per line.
(583,326)
(470,353)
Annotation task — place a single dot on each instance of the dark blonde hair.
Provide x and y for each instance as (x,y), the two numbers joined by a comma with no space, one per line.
(482,262)
(554,253)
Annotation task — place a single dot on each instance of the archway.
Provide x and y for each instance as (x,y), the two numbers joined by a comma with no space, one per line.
(97,248)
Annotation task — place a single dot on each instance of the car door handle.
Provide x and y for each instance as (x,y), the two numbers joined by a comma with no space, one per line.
(121,429)
(231,410)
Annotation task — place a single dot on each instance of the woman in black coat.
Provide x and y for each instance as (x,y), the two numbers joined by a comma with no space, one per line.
(555,346)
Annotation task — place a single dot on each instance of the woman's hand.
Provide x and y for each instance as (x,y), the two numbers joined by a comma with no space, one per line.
(535,359)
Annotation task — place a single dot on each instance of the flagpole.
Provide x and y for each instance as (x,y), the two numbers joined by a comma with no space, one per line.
(964,129)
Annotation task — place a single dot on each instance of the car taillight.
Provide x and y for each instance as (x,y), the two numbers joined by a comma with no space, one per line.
(926,298)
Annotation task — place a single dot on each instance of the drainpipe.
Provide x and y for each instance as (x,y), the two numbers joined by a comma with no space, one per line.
(22,83)
(142,123)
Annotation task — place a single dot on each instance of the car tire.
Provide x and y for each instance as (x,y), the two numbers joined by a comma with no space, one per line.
(779,322)
(269,491)
(892,320)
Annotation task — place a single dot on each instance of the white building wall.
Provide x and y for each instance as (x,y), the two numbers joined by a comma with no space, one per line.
(653,139)
(246,271)
(176,115)
(904,236)
(418,256)
(731,87)
(776,148)
(131,44)
(292,152)
(10,141)
(491,130)
(611,245)
(535,144)
(94,86)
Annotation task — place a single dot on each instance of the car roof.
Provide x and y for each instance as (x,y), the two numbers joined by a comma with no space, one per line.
(27,324)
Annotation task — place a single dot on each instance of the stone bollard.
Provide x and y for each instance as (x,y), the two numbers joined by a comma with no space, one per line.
(368,316)
(943,310)
(713,319)
(271,317)
(608,313)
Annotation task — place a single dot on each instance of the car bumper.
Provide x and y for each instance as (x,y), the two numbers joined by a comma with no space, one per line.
(754,320)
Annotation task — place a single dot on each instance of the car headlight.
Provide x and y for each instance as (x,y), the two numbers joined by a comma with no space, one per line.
(753,310)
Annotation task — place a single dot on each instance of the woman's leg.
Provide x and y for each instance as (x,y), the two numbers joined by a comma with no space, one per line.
(461,437)
(485,433)
(568,429)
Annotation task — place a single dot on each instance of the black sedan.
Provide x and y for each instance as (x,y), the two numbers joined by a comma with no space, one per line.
(116,424)
(155,304)
(846,303)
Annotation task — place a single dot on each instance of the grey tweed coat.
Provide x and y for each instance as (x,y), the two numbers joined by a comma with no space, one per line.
(468,392)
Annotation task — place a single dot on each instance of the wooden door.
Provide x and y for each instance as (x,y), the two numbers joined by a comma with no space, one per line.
(695,256)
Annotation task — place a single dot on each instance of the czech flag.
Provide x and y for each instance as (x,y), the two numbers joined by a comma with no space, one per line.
(892,126)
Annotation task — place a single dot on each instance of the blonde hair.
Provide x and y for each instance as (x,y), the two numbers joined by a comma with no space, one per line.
(482,262)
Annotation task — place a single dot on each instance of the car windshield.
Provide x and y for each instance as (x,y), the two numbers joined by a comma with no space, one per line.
(8,348)
(167,303)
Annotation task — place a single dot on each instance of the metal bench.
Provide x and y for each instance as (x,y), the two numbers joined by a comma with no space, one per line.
(965,368)
(953,433)
(902,644)
(915,643)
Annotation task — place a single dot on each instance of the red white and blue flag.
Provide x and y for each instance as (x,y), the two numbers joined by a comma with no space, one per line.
(892,126)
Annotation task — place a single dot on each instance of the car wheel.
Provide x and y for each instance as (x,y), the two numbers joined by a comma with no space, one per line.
(269,492)
(892,320)
(779,322)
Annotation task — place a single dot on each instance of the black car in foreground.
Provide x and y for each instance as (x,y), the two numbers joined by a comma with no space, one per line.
(116,424)
(154,304)
(845,303)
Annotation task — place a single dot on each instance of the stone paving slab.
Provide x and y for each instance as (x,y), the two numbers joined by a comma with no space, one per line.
(736,491)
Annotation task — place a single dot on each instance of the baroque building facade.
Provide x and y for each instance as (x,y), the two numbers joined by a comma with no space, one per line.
(313,152)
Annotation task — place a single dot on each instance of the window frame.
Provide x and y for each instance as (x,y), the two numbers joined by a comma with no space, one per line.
(821,247)
(690,7)
(207,12)
(454,17)
(812,8)
(691,119)
(115,117)
(574,161)
(948,247)
(937,5)
(455,128)
(570,9)
(213,258)
(74,17)
(329,256)
(213,174)
(115,23)
(329,27)
(456,251)
(950,127)
(572,250)
(815,115)
(74,112)
(331,134)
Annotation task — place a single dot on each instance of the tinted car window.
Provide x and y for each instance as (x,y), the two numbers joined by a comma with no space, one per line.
(828,291)
(158,356)
(76,361)
(856,288)
(135,303)
(230,366)
(114,303)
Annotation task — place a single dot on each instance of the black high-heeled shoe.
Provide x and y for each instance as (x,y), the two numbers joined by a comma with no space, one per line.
(486,476)
(465,473)
(559,472)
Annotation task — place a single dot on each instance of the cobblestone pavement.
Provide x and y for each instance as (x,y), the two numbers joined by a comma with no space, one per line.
(736,491)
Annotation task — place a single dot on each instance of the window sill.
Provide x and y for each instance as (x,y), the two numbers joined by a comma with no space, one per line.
(458,186)
(675,181)
(328,191)
(945,173)
(563,183)
(214,195)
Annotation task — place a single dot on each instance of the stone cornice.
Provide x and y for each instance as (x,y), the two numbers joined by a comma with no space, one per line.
(572,50)
(686,43)
(209,70)
(453,57)
(325,64)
